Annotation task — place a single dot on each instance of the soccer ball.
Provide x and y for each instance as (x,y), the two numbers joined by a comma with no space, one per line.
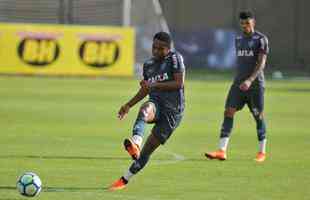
(29,184)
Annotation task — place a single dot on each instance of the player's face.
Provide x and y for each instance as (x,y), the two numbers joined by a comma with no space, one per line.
(247,25)
(160,49)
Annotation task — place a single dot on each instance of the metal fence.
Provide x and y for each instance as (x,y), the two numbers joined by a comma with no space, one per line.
(31,11)
(90,12)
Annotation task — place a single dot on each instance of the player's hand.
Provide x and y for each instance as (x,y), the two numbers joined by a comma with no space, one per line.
(123,111)
(245,85)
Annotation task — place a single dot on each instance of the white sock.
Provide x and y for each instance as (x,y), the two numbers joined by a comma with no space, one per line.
(137,139)
(128,175)
(262,146)
(223,143)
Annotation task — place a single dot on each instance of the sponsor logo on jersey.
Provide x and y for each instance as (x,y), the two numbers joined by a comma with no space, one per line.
(246,53)
(158,78)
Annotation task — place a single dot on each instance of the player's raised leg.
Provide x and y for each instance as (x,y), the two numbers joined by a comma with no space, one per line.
(149,147)
(146,114)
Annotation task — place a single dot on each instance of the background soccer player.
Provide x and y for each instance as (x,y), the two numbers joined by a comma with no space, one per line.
(248,86)
(163,81)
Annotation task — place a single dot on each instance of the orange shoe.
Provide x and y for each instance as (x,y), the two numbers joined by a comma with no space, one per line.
(132,148)
(260,157)
(119,184)
(219,154)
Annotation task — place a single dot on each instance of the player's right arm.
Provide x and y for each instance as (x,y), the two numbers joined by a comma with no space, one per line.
(133,101)
(143,92)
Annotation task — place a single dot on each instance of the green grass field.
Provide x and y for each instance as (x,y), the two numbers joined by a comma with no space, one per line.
(66,131)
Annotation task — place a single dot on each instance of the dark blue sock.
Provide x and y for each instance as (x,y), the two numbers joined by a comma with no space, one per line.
(227,126)
(138,127)
(139,164)
(261,128)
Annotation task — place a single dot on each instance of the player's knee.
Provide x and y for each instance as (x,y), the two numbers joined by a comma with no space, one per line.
(147,107)
(146,110)
(258,115)
(230,112)
(261,116)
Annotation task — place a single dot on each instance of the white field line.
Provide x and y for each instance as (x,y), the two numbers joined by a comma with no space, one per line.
(175,159)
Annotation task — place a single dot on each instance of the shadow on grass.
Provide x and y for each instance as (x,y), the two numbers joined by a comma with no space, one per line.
(290,90)
(59,189)
(73,157)
(196,159)
(3,198)
(62,157)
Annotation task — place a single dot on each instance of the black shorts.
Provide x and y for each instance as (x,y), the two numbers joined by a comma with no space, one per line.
(166,121)
(254,98)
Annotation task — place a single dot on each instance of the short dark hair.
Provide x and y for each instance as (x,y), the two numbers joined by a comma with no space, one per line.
(163,36)
(246,15)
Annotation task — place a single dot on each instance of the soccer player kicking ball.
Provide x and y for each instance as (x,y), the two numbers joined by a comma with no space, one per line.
(248,86)
(163,81)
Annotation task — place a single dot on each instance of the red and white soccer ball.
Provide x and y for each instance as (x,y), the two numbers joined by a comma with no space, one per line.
(29,184)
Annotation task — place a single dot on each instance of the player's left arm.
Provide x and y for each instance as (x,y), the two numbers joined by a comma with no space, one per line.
(260,64)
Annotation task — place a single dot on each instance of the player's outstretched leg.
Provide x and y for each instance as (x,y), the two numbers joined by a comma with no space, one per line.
(146,115)
(149,147)
(261,135)
(227,125)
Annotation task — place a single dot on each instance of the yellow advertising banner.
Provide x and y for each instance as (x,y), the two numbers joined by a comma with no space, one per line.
(42,49)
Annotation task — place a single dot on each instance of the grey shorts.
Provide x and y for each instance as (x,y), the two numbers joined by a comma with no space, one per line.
(166,121)
(254,98)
